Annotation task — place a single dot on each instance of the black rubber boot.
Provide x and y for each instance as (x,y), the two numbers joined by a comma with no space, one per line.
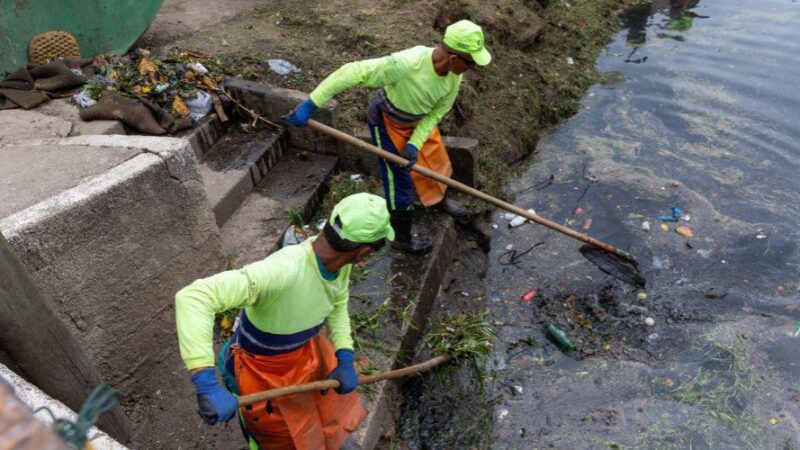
(451,207)
(403,239)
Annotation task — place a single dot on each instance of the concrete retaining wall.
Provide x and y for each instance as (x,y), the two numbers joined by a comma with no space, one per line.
(110,249)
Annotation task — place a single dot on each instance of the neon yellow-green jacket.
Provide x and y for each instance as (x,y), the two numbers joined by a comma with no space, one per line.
(282,294)
(410,81)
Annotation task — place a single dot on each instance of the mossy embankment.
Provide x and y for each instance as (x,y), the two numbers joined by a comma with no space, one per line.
(544,59)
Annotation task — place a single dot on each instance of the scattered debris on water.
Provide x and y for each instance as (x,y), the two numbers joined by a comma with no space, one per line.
(684,231)
(528,296)
(673,217)
(558,337)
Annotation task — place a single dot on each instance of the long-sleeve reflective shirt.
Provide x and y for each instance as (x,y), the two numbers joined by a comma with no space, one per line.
(284,293)
(410,81)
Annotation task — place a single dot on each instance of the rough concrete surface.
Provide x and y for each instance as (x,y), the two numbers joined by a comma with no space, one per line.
(109,253)
(35,398)
(236,165)
(296,183)
(35,170)
(66,110)
(273,102)
(204,134)
(19,125)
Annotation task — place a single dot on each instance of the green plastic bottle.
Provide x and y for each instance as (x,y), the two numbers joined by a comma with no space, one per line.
(559,338)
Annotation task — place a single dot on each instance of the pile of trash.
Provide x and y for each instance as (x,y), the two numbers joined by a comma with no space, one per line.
(154,95)
(151,94)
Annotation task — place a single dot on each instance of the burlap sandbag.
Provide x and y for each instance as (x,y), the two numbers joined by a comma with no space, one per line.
(113,106)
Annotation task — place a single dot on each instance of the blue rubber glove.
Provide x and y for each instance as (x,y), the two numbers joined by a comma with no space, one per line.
(345,372)
(216,403)
(411,153)
(300,115)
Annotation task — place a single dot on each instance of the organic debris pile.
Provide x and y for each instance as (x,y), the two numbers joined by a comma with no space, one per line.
(155,94)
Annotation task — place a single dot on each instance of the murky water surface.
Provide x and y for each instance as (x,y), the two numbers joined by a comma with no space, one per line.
(700,113)
(702,116)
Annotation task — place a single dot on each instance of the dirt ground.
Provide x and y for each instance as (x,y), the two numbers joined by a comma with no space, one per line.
(544,53)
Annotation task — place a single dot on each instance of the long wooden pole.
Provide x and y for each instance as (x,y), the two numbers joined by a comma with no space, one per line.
(271,394)
(344,137)
(46,352)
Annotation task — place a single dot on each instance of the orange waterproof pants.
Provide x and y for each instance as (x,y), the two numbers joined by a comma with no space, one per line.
(301,421)
(432,156)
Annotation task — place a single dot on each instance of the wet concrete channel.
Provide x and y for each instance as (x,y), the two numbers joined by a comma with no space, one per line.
(699,113)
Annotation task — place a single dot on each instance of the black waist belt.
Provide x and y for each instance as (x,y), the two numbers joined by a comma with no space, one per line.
(380,103)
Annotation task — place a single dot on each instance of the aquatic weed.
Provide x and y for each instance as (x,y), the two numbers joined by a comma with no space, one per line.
(721,392)
(462,336)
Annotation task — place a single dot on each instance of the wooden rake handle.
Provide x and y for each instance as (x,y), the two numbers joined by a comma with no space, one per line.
(344,137)
(271,394)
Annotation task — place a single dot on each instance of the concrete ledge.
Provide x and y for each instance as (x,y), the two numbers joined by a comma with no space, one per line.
(273,102)
(35,398)
(66,110)
(228,183)
(460,149)
(20,125)
(203,135)
(413,282)
(180,163)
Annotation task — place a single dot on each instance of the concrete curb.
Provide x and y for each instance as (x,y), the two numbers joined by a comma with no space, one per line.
(419,301)
(256,229)
(108,251)
(35,398)
(203,135)
(273,102)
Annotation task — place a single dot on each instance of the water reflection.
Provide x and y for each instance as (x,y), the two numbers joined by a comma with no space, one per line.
(676,17)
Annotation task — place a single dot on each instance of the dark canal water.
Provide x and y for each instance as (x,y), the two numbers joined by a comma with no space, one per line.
(701,111)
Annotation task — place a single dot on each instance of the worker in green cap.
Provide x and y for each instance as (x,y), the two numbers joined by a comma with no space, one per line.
(416,88)
(277,339)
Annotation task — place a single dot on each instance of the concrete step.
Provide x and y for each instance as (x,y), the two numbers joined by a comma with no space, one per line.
(236,164)
(297,183)
(204,134)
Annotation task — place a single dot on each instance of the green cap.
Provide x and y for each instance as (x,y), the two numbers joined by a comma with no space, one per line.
(364,218)
(467,37)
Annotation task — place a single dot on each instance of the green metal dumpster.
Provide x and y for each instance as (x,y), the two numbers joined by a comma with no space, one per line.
(100,26)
